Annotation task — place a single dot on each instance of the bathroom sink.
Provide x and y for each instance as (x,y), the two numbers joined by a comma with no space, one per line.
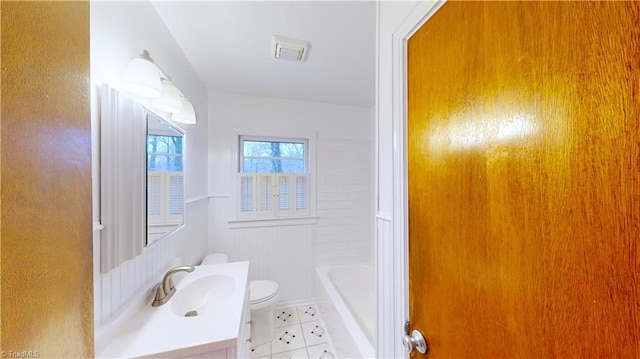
(202,296)
(216,298)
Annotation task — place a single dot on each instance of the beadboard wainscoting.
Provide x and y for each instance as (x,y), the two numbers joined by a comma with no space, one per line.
(387,334)
(114,290)
(280,253)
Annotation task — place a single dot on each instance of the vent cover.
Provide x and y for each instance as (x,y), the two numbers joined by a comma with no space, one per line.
(285,48)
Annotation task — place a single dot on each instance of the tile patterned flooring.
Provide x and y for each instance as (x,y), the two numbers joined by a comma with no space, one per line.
(299,333)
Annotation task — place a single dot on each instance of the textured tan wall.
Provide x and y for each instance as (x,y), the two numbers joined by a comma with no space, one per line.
(46,256)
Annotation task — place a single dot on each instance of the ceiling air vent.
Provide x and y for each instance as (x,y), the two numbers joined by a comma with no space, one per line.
(285,48)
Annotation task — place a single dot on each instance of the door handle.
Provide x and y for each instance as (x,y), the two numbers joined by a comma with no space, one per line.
(413,341)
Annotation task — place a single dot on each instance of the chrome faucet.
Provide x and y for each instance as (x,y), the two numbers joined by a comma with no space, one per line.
(165,288)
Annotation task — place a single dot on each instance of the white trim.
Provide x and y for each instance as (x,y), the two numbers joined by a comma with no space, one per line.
(396,314)
(97,226)
(196,199)
(385,216)
(218,196)
(309,217)
(271,222)
(253,138)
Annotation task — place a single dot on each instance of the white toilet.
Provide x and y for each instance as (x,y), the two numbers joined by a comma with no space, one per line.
(262,295)
(214,258)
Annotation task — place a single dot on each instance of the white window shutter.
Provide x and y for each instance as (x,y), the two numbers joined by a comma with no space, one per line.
(302,195)
(273,195)
(284,193)
(175,182)
(154,197)
(246,194)
(265,196)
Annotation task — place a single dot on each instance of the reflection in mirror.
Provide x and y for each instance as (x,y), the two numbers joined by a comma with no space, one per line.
(165,178)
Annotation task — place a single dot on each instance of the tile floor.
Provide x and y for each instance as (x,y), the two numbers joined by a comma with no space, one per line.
(299,333)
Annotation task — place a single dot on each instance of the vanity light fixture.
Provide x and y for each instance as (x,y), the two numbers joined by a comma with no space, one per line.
(187,114)
(170,100)
(142,77)
(145,79)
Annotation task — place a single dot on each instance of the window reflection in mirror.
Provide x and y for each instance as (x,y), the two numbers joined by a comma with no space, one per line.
(165,178)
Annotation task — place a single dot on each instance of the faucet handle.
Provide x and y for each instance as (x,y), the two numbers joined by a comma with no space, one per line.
(166,288)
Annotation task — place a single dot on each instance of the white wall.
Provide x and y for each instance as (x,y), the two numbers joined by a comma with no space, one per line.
(120,31)
(343,233)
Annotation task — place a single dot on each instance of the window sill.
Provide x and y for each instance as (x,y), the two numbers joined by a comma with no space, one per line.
(271,222)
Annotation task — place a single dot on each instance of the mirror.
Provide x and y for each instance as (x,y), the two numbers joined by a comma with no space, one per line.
(122,178)
(141,178)
(165,178)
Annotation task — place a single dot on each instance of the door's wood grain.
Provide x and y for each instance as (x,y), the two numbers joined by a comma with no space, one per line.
(47,256)
(524,179)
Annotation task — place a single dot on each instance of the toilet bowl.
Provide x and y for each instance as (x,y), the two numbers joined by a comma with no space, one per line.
(262,295)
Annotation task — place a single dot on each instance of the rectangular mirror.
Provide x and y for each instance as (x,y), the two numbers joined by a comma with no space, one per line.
(165,178)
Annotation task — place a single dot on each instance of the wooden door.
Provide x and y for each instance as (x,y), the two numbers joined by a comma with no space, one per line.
(47,253)
(524,180)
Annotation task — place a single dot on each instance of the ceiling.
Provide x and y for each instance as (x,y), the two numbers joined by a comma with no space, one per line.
(228,43)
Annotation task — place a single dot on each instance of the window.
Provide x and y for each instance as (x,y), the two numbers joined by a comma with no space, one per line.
(273,178)
(165,180)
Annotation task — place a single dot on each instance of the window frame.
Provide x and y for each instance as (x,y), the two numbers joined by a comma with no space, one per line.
(243,138)
(272,135)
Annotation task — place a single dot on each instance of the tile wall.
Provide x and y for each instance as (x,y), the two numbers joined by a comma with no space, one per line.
(345,202)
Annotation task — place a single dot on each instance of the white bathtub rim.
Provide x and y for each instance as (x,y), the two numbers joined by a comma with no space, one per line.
(357,333)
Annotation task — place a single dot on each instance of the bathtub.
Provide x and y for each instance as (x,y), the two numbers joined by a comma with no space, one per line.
(345,296)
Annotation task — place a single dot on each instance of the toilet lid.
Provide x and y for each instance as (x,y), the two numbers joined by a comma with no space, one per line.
(262,290)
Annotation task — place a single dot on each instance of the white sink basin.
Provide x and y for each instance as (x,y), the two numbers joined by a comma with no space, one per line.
(202,296)
(218,293)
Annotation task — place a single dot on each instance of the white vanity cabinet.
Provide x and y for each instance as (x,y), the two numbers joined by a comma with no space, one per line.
(241,350)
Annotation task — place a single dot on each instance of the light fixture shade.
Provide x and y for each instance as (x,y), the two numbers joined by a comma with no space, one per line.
(187,115)
(142,77)
(170,100)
